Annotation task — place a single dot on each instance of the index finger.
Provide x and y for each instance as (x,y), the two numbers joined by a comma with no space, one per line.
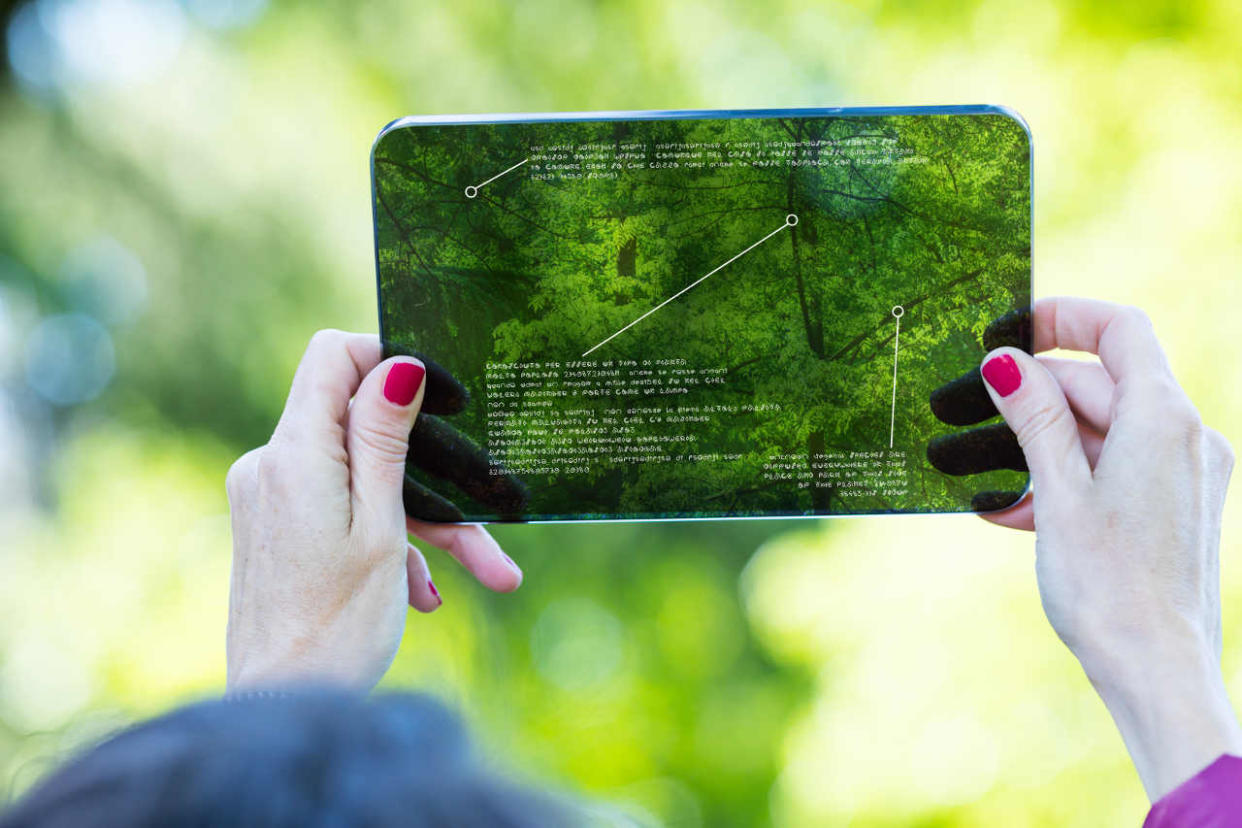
(474,548)
(331,370)
(1121,335)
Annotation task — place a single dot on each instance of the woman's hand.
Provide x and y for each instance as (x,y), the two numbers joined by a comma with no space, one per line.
(1128,488)
(322,566)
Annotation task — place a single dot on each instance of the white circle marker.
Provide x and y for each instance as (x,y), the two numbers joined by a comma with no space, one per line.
(898,311)
(791,219)
(472,190)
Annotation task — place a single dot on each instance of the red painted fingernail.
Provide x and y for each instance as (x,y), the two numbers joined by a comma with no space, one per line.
(1002,374)
(434,591)
(403,381)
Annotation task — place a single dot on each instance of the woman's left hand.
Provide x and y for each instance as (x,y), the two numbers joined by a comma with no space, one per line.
(322,566)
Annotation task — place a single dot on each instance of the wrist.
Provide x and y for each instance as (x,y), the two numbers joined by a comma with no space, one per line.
(283,669)
(284,655)
(1169,701)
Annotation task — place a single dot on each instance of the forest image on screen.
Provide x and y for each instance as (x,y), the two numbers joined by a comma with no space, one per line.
(699,317)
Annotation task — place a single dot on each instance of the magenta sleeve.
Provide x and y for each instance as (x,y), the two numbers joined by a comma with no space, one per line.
(1211,799)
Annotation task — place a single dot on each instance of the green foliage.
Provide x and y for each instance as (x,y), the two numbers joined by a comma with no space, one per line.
(533,270)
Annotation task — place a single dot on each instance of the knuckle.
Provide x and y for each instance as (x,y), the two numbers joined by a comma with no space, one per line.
(1163,402)
(232,480)
(382,444)
(1219,448)
(325,338)
(272,466)
(1163,386)
(1044,419)
(1137,316)
(1177,413)
(240,474)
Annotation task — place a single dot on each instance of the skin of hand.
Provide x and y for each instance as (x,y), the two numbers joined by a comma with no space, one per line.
(1128,486)
(323,569)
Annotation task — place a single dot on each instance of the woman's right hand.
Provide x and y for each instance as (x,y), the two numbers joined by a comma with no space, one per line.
(1128,488)
(322,564)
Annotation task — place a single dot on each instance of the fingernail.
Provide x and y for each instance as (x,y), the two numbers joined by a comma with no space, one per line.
(434,592)
(1002,374)
(511,563)
(403,381)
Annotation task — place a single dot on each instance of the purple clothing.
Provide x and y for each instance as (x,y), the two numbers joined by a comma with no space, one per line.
(1212,799)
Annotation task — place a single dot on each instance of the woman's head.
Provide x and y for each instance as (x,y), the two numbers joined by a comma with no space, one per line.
(322,758)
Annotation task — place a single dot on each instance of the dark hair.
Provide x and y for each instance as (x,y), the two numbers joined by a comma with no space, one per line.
(321,758)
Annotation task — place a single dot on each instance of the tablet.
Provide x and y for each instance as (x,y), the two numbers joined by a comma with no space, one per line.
(705,314)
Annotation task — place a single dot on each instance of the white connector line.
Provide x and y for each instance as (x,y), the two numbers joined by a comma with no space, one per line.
(790,221)
(898,312)
(473,189)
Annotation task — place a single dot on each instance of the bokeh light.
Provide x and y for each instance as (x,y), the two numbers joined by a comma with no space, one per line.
(226,14)
(104,279)
(69,359)
(71,43)
(576,644)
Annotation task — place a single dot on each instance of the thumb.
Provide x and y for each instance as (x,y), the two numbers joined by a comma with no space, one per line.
(1034,406)
(378,435)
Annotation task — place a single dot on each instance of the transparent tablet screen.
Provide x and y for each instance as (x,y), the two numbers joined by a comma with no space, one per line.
(705,317)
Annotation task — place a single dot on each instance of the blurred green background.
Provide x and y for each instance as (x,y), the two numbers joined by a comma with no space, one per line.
(184,200)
